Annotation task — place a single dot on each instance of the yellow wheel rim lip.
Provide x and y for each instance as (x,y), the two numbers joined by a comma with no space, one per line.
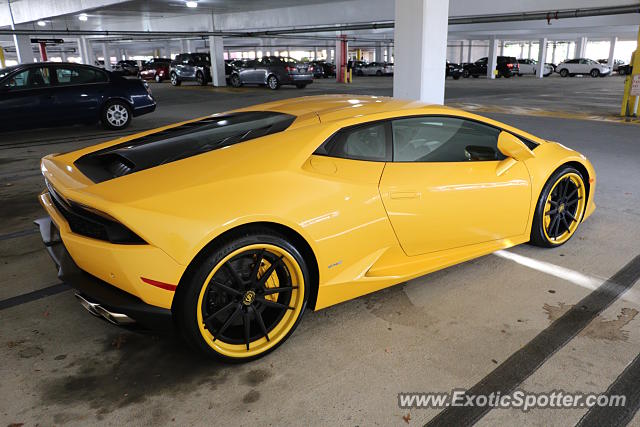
(579,183)
(276,334)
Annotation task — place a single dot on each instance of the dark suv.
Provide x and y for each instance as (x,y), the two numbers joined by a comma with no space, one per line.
(272,71)
(190,67)
(507,66)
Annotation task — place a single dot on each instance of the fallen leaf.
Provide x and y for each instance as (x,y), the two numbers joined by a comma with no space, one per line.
(407,418)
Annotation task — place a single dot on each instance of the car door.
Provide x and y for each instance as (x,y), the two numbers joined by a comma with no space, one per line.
(187,67)
(27,98)
(583,66)
(481,66)
(442,190)
(79,92)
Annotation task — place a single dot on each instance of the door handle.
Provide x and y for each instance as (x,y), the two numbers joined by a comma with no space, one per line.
(405,195)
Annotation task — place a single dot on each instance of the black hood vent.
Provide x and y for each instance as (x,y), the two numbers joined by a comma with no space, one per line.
(180,142)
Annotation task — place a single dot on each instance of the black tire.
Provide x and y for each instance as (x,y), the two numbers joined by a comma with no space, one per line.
(475,76)
(507,75)
(466,74)
(116,115)
(175,80)
(621,71)
(301,85)
(185,304)
(273,83)
(564,72)
(200,79)
(378,73)
(594,73)
(359,73)
(456,77)
(235,80)
(538,236)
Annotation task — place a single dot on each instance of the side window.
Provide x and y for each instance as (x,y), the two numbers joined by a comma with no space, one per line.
(365,142)
(30,79)
(443,139)
(79,75)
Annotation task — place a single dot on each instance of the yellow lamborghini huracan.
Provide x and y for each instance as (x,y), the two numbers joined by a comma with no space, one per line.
(227,227)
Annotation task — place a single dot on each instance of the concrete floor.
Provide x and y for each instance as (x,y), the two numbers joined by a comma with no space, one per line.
(344,365)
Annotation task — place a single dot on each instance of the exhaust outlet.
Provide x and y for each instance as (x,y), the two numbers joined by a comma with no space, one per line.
(97,310)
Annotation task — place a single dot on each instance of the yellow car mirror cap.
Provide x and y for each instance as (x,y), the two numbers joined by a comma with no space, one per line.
(511,146)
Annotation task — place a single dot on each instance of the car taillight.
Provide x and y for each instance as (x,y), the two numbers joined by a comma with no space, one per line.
(289,69)
(509,65)
(310,68)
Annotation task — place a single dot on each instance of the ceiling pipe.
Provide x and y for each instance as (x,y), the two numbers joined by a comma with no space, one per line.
(481,19)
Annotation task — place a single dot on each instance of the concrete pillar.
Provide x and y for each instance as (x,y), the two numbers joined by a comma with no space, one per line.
(461,51)
(378,52)
(470,49)
(581,46)
(492,58)
(502,48)
(529,52)
(189,46)
(63,55)
(420,35)
(183,46)
(106,56)
(521,50)
(24,50)
(315,53)
(542,58)
(553,52)
(167,50)
(216,52)
(83,48)
(612,49)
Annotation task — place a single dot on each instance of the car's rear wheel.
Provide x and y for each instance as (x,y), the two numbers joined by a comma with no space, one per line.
(245,298)
(175,80)
(456,76)
(564,72)
(301,85)
(272,82)
(116,115)
(560,208)
(200,79)
(466,74)
(378,73)
(595,73)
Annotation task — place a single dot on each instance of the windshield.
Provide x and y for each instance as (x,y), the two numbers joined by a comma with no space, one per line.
(201,57)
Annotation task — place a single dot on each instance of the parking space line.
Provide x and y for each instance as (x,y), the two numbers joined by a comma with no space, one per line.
(33,296)
(625,385)
(17,234)
(524,362)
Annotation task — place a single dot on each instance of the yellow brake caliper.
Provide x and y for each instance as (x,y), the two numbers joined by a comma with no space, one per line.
(272,281)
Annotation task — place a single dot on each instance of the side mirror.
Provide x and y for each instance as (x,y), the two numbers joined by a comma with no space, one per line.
(515,150)
(511,146)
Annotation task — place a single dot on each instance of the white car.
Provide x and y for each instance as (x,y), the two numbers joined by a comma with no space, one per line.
(585,66)
(530,66)
(377,69)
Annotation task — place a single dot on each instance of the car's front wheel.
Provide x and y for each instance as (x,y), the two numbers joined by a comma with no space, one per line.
(116,115)
(564,72)
(244,298)
(235,80)
(200,79)
(560,208)
(595,73)
(175,80)
(466,74)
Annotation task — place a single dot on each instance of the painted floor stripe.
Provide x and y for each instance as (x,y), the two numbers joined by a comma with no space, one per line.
(524,362)
(20,233)
(627,384)
(33,296)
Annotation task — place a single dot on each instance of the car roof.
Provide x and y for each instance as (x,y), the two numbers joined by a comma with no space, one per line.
(339,107)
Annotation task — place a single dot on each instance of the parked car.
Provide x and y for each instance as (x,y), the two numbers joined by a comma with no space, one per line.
(530,66)
(190,67)
(323,69)
(49,93)
(507,66)
(616,64)
(357,66)
(584,66)
(272,71)
(127,67)
(155,69)
(377,69)
(625,69)
(203,225)
(453,70)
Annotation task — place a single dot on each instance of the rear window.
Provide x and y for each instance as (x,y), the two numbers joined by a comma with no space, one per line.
(190,139)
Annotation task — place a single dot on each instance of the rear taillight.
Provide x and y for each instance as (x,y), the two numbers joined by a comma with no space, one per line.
(310,68)
(509,65)
(290,69)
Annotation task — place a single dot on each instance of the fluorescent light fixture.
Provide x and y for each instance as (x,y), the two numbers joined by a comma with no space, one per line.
(192,4)
(42,24)
(83,17)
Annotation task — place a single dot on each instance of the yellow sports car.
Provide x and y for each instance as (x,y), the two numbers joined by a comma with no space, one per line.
(227,227)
